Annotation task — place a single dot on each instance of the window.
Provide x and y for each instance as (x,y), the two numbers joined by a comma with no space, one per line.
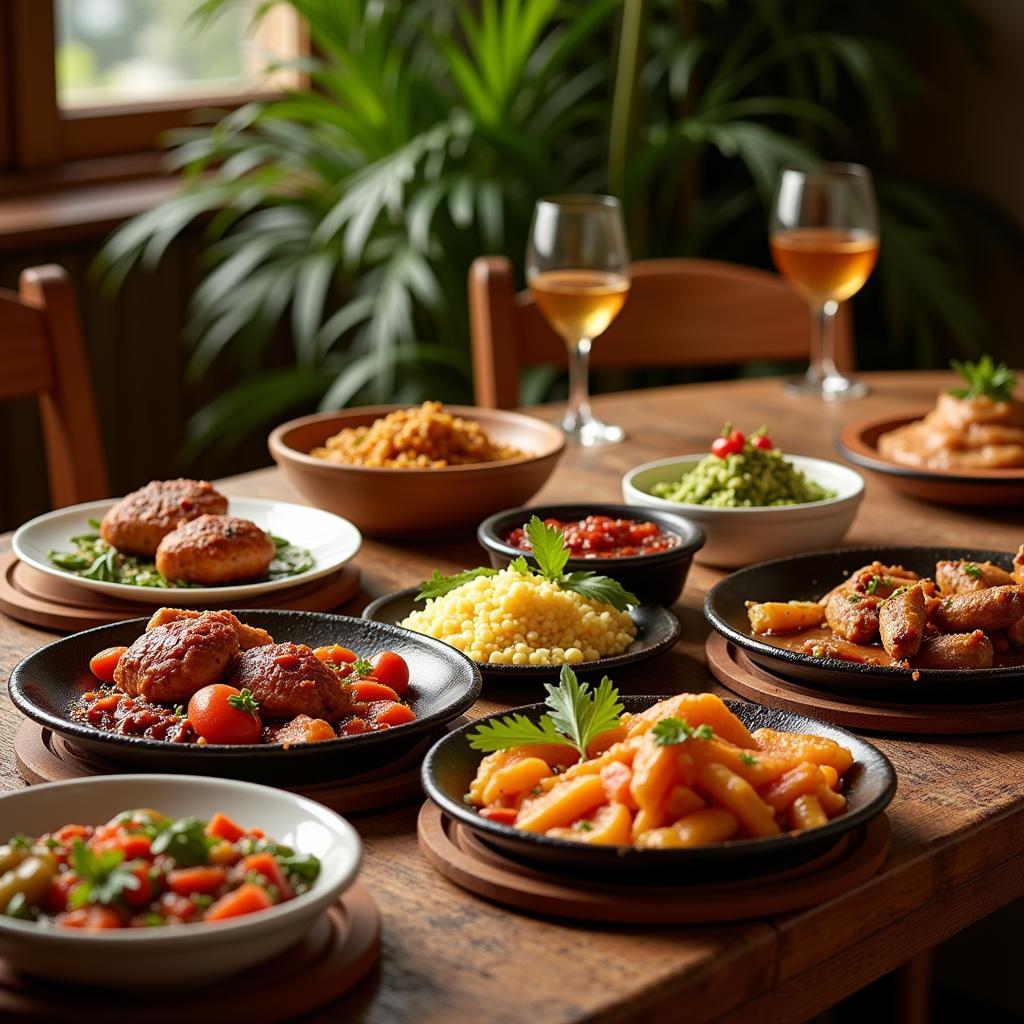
(103,78)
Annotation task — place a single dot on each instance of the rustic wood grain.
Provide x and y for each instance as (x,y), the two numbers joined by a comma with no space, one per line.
(956,819)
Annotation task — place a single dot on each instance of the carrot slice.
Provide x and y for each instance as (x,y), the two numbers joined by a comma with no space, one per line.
(246,899)
(206,880)
(369,689)
(389,713)
(223,827)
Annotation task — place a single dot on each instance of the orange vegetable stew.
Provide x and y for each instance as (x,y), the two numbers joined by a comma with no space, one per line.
(142,869)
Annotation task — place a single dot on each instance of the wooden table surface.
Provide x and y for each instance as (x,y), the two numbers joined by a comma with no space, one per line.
(957,820)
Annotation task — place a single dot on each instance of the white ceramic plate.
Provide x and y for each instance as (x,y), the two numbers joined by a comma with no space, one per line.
(192,954)
(331,540)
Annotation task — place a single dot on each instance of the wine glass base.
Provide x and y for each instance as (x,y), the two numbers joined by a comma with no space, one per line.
(591,433)
(832,387)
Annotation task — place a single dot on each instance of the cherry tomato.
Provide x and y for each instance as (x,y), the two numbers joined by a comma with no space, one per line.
(102,665)
(763,442)
(721,447)
(391,670)
(222,714)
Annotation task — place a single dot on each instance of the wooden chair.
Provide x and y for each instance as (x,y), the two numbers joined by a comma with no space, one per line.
(41,353)
(680,312)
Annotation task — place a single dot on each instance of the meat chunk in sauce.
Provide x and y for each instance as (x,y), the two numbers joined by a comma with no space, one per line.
(964,577)
(902,619)
(853,616)
(956,651)
(289,680)
(248,636)
(990,609)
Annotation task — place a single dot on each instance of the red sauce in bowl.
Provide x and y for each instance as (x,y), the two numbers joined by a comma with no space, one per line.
(605,537)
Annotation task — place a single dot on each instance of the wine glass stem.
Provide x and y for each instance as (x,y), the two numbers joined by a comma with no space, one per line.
(823,340)
(579,382)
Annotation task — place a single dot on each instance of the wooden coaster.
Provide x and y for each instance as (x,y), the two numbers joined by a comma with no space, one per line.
(735,671)
(336,954)
(464,859)
(43,756)
(43,600)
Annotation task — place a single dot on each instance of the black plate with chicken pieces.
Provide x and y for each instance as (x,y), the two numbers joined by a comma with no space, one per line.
(48,687)
(953,631)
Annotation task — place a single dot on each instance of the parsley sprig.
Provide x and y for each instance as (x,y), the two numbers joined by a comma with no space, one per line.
(670,731)
(985,378)
(577,715)
(552,555)
(104,876)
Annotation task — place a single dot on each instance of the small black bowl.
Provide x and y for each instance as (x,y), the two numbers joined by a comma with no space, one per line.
(655,579)
(451,765)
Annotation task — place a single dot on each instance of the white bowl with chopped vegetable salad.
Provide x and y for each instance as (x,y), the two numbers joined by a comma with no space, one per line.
(323,853)
(751,508)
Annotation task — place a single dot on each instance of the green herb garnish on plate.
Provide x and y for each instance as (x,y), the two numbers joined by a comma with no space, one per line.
(984,377)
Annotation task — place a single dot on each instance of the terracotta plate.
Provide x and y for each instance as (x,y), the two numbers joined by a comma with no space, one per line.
(451,764)
(807,578)
(859,443)
(657,630)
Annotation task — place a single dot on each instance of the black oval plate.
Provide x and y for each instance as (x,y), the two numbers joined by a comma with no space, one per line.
(46,684)
(657,630)
(807,578)
(451,765)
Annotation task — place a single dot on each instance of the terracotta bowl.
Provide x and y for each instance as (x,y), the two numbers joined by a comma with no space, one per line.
(414,503)
(859,443)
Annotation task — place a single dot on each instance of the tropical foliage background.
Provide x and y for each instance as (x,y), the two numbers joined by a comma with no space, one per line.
(347,214)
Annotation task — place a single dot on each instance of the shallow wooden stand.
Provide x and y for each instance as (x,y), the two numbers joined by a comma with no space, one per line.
(48,601)
(458,854)
(43,756)
(735,671)
(336,954)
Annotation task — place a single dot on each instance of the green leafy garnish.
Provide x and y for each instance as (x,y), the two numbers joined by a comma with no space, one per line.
(548,544)
(872,585)
(104,876)
(984,378)
(748,759)
(438,585)
(583,825)
(578,715)
(20,841)
(670,731)
(186,841)
(362,667)
(972,570)
(244,701)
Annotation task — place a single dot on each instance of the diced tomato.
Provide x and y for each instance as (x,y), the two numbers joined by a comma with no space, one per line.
(501,815)
(205,880)
(60,890)
(246,899)
(223,827)
(69,833)
(178,907)
(382,712)
(370,690)
(102,665)
(355,727)
(336,654)
(131,845)
(90,918)
(266,865)
(140,897)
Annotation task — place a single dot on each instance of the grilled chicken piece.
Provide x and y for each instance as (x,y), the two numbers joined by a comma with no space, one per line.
(289,680)
(140,520)
(901,622)
(248,636)
(965,577)
(853,616)
(215,549)
(956,650)
(170,663)
(990,609)
(875,580)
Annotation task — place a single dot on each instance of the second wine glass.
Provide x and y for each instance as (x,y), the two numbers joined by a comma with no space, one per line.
(577,266)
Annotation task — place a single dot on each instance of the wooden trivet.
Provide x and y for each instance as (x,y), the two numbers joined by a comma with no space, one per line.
(41,599)
(43,756)
(735,671)
(464,859)
(336,954)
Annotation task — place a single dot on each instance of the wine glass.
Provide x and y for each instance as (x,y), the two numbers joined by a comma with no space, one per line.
(577,266)
(824,241)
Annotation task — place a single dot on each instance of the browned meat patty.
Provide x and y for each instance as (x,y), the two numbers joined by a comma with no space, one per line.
(214,550)
(289,680)
(140,520)
(248,636)
(901,621)
(172,662)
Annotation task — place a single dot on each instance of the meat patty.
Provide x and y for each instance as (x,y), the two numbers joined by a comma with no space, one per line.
(289,680)
(140,520)
(170,663)
(214,550)
(248,636)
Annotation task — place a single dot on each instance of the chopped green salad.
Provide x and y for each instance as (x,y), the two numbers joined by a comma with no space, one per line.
(743,472)
(94,559)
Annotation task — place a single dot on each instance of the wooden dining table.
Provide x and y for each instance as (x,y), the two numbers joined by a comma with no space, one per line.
(957,818)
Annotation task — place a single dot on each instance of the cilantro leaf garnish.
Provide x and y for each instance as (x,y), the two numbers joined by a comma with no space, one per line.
(748,759)
(671,731)
(984,378)
(578,714)
(972,570)
(186,841)
(104,877)
(548,544)
(438,585)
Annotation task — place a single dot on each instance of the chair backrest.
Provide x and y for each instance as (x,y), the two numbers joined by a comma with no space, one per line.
(41,353)
(680,312)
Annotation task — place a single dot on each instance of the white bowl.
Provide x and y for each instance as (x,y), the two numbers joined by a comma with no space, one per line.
(193,954)
(743,536)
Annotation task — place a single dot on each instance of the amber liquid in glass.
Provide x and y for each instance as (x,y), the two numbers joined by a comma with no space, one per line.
(579,303)
(825,264)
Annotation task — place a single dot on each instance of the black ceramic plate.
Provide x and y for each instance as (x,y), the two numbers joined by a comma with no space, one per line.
(451,765)
(807,578)
(445,683)
(657,629)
